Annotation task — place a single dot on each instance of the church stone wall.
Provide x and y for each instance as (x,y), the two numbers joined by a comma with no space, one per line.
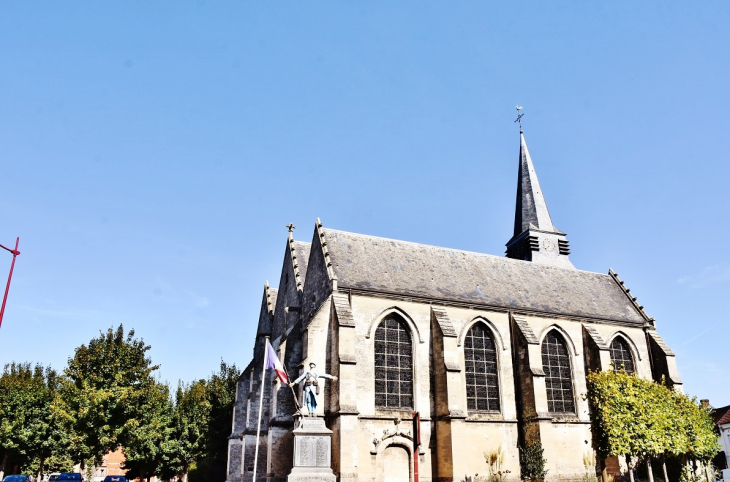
(565,439)
(485,437)
(636,338)
(465,436)
(317,286)
(565,445)
(368,441)
(377,428)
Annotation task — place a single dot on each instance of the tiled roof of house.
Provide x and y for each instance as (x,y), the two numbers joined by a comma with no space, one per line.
(721,415)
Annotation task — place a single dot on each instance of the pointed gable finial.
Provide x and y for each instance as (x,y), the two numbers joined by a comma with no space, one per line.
(291,231)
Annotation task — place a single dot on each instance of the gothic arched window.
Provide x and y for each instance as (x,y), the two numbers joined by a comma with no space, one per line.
(480,355)
(393,364)
(558,379)
(621,355)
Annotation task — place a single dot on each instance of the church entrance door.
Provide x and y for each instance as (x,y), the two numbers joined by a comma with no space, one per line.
(396,465)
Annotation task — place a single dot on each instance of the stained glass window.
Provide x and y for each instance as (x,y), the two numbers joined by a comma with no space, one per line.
(393,364)
(621,355)
(558,379)
(480,356)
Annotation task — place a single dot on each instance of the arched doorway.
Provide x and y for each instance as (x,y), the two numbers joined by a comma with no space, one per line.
(395,464)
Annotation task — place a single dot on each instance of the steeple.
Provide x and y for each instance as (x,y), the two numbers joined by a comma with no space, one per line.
(531,208)
(535,238)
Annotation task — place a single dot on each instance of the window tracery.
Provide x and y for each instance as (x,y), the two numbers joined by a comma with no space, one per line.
(558,378)
(393,364)
(482,382)
(621,355)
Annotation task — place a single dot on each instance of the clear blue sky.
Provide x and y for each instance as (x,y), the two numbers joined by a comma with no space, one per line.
(152,153)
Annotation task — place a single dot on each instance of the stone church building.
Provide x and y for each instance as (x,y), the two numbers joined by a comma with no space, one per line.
(492,351)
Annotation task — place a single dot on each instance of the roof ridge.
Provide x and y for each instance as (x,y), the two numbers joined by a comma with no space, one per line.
(319,229)
(506,259)
(632,298)
(295,264)
(267,292)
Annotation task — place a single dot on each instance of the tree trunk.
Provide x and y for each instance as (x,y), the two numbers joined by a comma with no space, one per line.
(604,471)
(649,470)
(40,469)
(5,462)
(629,463)
(664,468)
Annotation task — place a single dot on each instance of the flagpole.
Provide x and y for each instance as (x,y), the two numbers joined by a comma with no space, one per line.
(296,402)
(261,405)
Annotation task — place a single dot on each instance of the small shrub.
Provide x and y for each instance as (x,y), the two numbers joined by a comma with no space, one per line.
(688,475)
(532,462)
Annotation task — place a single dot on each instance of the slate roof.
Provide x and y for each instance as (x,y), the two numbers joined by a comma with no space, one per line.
(273,294)
(301,249)
(411,269)
(531,210)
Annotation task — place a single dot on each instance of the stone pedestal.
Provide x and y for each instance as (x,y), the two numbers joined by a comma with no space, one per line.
(312,452)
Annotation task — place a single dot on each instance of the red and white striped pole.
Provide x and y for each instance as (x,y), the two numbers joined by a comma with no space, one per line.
(10,276)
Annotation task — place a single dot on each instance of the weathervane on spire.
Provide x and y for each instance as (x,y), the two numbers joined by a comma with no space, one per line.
(519,117)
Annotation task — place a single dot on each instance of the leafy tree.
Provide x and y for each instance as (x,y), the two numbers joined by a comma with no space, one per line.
(108,398)
(152,448)
(58,462)
(697,429)
(106,393)
(190,436)
(221,395)
(192,420)
(31,430)
(641,418)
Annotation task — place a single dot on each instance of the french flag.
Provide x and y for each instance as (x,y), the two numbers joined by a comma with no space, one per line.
(272,361)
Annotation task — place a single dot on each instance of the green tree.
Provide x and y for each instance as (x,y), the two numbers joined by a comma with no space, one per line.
(644,419)
(105,395)
(152,447)
(192,421)
(189,436)
(629,416)
(699,434)
(32,434)
(221,394)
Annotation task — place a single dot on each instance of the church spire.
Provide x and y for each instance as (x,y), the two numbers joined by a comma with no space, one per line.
(535,238)
(531,209)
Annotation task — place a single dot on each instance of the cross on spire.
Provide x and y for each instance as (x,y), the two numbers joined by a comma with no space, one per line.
(519,117)
(291,227)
